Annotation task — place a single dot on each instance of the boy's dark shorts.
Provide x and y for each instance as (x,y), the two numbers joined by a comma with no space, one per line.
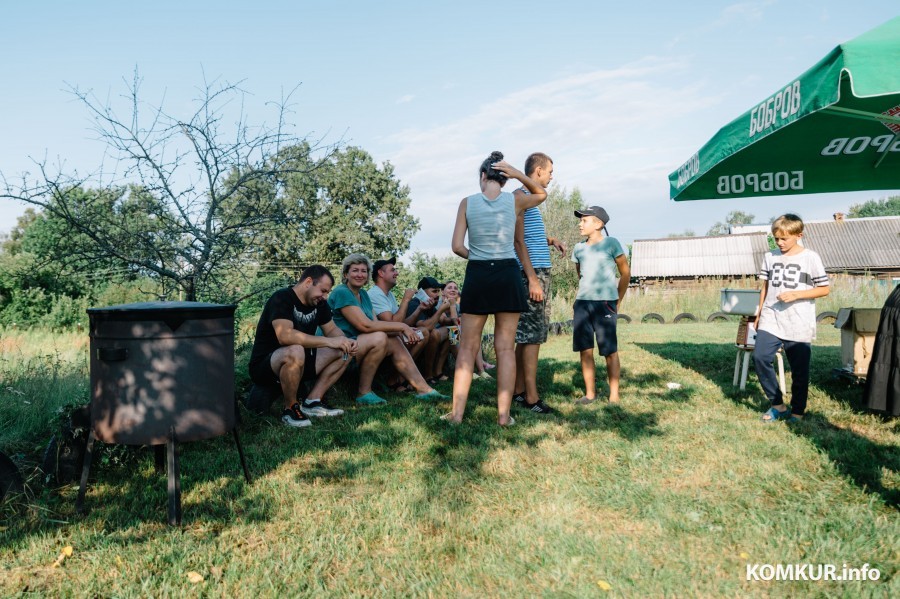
(535,320)
(261,371)
(595,319)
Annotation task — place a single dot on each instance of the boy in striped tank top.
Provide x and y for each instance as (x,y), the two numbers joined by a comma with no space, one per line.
(533,254)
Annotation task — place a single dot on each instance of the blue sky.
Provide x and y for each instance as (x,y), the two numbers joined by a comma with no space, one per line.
(618,93)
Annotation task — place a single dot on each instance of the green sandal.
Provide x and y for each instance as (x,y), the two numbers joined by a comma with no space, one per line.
(370,399)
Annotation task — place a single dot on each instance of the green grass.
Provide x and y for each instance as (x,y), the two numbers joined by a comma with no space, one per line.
(669,493)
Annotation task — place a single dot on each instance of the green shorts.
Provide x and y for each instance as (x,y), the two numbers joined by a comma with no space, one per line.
(535,320)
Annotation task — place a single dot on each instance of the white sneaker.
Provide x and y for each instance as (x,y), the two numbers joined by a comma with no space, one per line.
(317,407)
(486,377)
(293,417)
(475,375)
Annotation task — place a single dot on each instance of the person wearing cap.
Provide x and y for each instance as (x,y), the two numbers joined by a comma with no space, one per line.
(533,253)
(384,304)
(493,283)
(386,308)
(432,360)
(598,260)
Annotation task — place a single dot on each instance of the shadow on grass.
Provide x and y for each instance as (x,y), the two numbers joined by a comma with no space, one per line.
(459,455)
(854,455)
(857,457)
(333,451)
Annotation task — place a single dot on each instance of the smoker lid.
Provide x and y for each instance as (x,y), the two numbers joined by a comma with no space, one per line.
(164,311)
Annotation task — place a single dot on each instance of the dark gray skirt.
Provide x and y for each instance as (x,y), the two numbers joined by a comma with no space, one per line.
(493,286)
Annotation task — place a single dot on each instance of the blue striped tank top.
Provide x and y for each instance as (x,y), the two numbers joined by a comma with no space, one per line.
(491,226)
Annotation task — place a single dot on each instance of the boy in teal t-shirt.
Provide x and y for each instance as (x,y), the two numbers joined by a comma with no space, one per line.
(599,261)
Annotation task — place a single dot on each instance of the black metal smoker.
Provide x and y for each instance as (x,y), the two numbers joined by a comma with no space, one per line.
(161,373)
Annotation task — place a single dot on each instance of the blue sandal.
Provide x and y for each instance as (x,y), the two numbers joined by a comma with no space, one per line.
(773,415)
(370,399)
(432,395)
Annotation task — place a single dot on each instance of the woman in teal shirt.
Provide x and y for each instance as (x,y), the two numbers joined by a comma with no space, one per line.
(377,339)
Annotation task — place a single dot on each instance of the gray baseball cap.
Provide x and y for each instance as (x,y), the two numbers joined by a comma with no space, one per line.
(594,211)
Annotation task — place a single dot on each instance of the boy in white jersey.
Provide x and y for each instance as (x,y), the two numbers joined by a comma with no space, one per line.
(794,277)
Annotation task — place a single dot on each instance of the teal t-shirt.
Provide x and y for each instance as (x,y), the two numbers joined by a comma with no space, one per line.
(599,272)
(341,297)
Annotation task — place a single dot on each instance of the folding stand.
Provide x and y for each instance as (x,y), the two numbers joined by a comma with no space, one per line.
(174,486)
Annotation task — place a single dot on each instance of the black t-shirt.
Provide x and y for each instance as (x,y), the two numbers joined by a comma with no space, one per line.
(285,305)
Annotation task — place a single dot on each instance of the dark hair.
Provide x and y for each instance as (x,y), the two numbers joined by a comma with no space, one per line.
(489,172)
(316,272)
(535,160)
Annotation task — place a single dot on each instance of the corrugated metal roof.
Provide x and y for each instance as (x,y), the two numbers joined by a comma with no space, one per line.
(757,228)
(723,255)
(855,243)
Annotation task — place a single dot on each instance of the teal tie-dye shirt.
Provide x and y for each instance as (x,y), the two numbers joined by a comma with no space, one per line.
(599,272)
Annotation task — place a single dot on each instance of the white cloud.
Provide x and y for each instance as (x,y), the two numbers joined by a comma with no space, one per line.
(406,99)
(613,133)
(740,12)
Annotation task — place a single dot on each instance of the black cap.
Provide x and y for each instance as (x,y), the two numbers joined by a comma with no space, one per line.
(430,283)
(594,211)
(379,264)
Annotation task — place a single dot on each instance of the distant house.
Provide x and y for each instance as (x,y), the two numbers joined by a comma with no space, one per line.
(689,258)
(856,246)
(741,229)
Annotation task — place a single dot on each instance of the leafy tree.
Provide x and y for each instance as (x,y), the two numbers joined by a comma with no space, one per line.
(446,268)
(11,243)
(685,233)
(886,207)
(164,208)
(346,204)
(560,222)
(735,217)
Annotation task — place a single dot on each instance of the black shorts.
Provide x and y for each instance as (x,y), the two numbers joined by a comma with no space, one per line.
(493,286)
(595,319)
(261,371)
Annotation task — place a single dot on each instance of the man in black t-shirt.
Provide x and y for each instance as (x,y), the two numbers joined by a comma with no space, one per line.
(287,351)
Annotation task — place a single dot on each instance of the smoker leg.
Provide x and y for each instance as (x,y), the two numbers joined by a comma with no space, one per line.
(85,470)
(159,458)
(174,481)
(237,441)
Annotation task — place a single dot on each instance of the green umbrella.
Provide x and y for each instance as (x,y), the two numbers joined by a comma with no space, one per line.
(834,128)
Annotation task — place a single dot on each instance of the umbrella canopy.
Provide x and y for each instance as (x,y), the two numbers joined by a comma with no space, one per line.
(834,128)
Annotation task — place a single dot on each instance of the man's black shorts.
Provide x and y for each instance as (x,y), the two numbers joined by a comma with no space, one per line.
(595,319)
(261,371)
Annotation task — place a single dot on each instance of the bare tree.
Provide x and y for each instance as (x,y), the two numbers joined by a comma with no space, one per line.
(180,199)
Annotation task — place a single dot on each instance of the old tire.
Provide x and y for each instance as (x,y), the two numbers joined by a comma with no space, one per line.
(623,318)
(685,317)
(826,318)
(717,317)
(653,317)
